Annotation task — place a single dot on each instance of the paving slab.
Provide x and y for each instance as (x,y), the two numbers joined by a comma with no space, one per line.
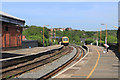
(96,65)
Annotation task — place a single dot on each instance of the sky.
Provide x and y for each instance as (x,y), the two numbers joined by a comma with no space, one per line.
(86,16)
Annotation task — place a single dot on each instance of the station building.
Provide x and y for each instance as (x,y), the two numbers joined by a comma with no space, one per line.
(10,31)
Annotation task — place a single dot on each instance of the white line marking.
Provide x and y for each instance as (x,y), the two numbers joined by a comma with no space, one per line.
(71,65)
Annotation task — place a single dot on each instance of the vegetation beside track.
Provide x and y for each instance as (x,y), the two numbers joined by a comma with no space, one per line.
(75,36)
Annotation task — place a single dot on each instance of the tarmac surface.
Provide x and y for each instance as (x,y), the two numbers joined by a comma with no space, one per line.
(96,65)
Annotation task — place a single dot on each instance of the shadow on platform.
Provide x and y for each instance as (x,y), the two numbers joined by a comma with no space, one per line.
(9,55)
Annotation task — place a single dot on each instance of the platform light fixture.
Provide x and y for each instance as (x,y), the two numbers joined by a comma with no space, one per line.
(106,33)
(115,27)
(100,35)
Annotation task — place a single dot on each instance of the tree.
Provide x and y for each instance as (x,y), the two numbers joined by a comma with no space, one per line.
(89,40)
(112,39)
(36,33)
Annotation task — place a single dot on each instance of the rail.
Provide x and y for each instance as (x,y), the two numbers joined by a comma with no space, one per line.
(75,58)
(22,59)
(12,65)
(40,62)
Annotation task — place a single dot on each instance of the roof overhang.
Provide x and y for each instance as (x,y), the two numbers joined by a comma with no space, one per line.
(11,19)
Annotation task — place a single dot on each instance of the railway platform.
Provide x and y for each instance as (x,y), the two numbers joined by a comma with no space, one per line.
(27,51)
(95,66)
(22,60)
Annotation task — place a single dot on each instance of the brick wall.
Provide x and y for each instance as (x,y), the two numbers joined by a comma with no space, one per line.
(11,35)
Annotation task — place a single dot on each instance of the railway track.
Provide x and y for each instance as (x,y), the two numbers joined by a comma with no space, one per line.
(14,70)
(76,58)
(21,68)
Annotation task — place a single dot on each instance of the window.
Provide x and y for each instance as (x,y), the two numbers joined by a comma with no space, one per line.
(65,39)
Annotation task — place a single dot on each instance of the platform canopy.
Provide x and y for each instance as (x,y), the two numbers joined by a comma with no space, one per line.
(11,19)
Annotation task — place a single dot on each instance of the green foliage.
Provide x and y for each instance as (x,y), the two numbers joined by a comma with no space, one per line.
(94,42)
(26,26)
(111,36)
(74,35)
(112,39)
(36,33)
(101,43)
(35,37)
(89,40)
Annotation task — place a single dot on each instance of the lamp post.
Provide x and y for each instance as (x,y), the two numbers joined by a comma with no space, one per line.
(43,33)
(55,35)
(100,35)
(115,27)
(106,33)
(51,35)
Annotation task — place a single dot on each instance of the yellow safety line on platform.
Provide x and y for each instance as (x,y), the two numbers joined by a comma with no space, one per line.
(94,66)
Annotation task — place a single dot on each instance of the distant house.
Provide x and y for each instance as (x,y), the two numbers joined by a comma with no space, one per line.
(61,29)
(23,37)
(11,35)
